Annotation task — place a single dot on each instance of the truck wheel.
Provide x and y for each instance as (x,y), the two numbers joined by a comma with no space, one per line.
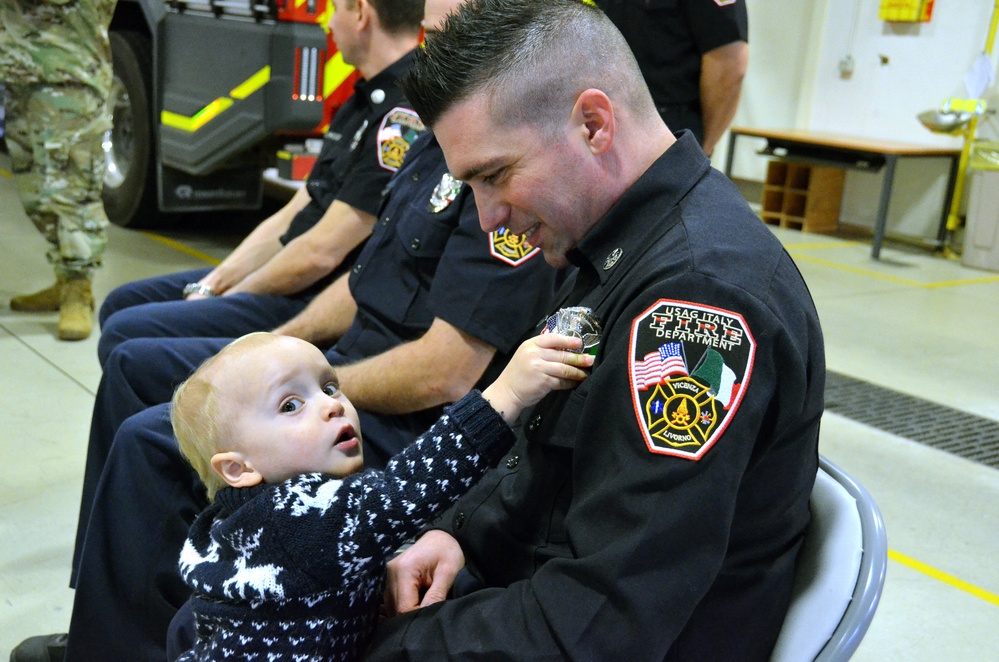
(129,182)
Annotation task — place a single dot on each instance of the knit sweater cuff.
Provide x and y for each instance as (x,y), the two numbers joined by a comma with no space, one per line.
(482,426)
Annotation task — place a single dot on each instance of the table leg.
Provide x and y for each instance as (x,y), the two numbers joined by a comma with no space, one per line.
(730,155)
(882,218)
(948,201)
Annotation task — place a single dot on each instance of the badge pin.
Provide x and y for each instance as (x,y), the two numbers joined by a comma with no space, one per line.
(612,259)
(579,322)
(445,192)
(358,135)
(377,96)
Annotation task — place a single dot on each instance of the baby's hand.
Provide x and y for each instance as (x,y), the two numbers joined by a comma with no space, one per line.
(541,365)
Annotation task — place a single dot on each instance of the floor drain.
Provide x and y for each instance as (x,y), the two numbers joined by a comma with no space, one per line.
(972,437)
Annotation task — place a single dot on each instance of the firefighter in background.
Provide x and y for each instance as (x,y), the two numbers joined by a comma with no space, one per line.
(56,63)
(693,55)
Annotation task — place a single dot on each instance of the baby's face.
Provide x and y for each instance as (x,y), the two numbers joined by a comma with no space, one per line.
(288,415)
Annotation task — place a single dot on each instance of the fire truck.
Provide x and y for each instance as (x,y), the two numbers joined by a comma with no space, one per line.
(205,94)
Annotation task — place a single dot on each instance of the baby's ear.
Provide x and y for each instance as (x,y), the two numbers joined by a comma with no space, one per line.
(235,469)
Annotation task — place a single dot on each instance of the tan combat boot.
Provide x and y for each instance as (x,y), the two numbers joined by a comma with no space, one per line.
(44,301)
(76,311)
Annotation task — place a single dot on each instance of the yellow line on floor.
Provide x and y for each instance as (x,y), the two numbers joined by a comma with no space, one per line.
(187,250)
(939,575)
(821,245)
(895,279)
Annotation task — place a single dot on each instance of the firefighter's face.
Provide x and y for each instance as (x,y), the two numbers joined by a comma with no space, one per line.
(525,180)
(343,26)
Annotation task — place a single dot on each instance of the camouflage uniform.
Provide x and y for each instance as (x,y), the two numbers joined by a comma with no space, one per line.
(55,59)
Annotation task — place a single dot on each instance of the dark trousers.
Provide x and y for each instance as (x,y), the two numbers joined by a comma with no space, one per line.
(154,308)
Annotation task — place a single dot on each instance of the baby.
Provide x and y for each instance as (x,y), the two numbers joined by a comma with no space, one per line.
(288,560)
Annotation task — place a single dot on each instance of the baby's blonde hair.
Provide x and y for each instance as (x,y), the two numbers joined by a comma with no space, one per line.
(201,421)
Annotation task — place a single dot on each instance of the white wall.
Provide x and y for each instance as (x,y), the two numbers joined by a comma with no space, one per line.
(899,70)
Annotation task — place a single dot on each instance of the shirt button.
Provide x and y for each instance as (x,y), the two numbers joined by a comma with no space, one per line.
(385,221)
(416,176)
(415,244)
(513,462)
(535,423)
(357,268)
(459,521)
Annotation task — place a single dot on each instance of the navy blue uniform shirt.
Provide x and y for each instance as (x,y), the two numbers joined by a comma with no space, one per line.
(668,38)
(655,511)
(356,162)
(429,245)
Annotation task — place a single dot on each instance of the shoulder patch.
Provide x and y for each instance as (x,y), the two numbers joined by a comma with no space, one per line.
(689,367)
(400,128)
(511,248)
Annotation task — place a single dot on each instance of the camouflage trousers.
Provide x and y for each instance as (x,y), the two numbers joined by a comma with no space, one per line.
(54,133)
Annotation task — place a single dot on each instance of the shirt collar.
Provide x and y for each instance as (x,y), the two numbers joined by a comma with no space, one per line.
(612,242)
(387,77)
(231,498)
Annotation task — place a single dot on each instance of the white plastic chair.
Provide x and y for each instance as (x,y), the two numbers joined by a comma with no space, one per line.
(839,575)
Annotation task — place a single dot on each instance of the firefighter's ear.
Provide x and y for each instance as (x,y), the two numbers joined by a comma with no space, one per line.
(365,12)
(593,114)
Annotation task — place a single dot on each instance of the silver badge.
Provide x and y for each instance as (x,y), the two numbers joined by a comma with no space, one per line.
(612,259)
(576,321)
(377,96)
(358,135)
(445,192)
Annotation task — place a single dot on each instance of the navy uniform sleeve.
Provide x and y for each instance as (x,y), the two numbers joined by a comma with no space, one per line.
(492,286)
(384,144)
(715,23)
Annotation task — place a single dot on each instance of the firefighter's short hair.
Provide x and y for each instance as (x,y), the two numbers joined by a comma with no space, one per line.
(532,58)
(397,16)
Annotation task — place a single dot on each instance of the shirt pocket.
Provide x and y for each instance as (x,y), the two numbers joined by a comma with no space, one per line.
(556,423)
(422,239)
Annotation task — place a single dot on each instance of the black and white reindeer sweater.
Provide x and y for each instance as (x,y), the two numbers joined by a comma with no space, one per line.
(295,571)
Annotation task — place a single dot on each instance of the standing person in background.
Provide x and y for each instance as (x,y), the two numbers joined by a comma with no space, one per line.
(3,123)
(693,55)
(56,62)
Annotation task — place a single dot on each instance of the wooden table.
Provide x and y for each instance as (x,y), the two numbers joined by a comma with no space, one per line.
(851,153)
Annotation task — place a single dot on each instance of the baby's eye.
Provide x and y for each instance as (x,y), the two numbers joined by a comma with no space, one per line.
(291,405)
(332,389)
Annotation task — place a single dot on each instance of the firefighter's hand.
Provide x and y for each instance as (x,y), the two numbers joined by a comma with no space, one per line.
(423,574)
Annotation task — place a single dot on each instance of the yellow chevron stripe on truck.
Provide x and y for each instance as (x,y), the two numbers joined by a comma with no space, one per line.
(335,73)
(216,107)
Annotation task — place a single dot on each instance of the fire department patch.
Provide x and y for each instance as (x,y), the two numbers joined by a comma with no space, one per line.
(510,248)
(400,128)
(689,368)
